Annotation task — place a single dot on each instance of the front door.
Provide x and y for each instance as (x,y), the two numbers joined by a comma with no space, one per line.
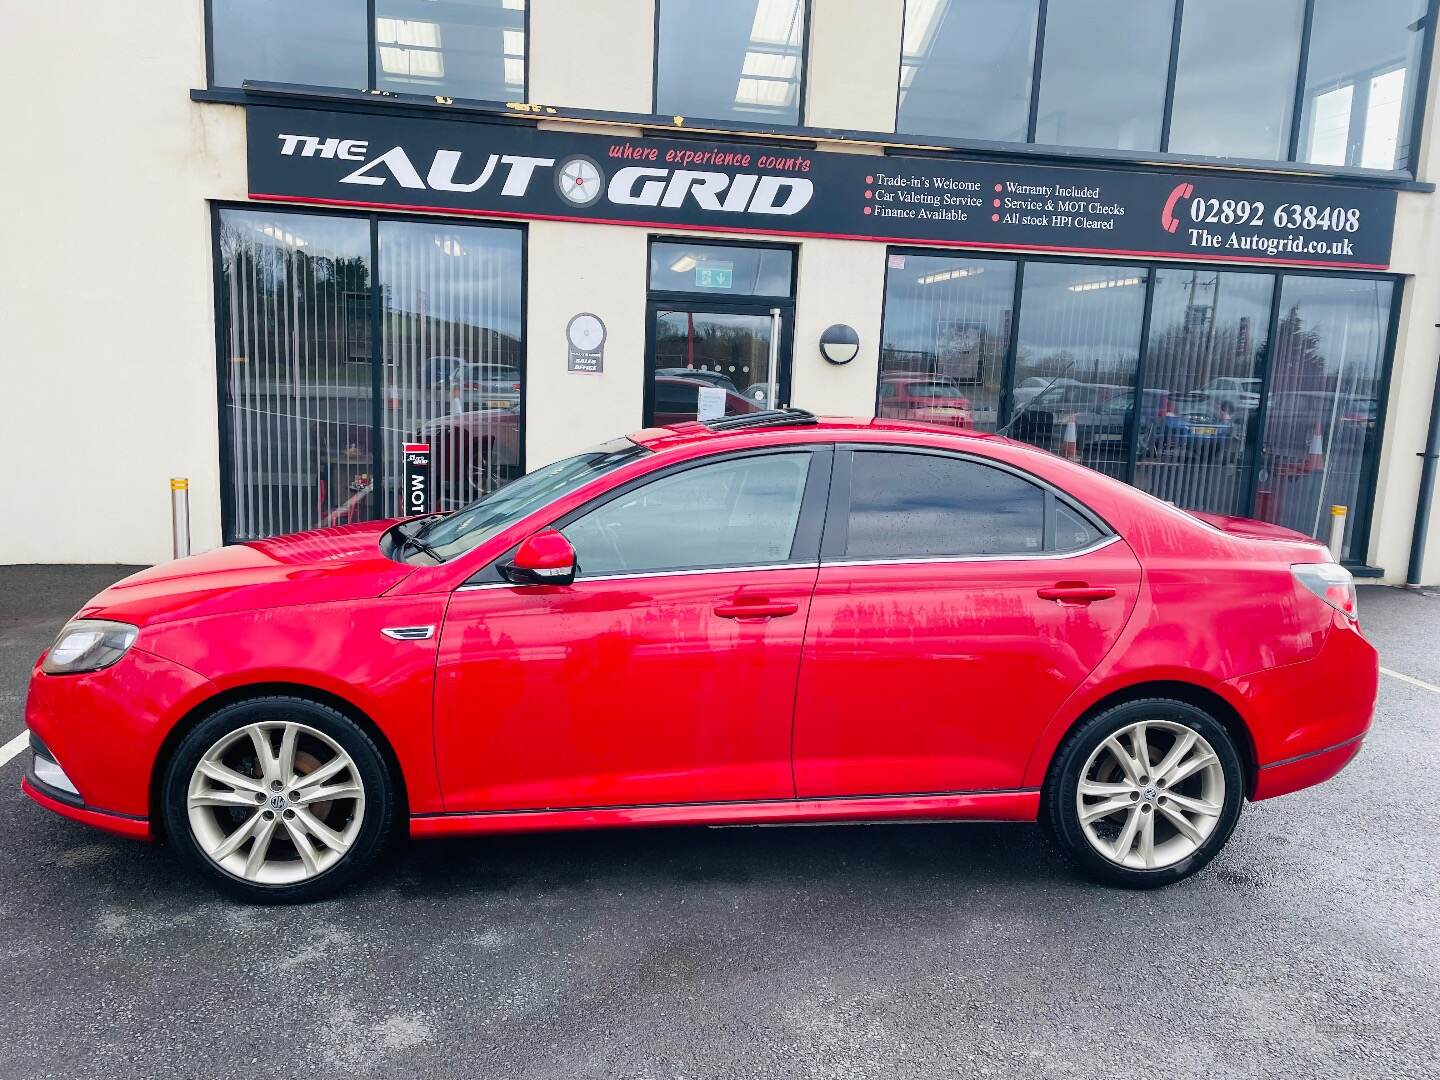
(666,673)
(958,605)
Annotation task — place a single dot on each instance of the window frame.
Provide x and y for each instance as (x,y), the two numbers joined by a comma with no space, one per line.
(802,92)
(1369,480)
(371,62)
(375,314)
(837,519)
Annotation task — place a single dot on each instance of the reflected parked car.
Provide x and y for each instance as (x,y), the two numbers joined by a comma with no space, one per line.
(1182,426)
(678,399)
(1026,389)
(1234,395)
(710,378)
(932,399)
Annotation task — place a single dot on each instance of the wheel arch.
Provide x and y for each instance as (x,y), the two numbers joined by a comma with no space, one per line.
(1202,697)
(255,691)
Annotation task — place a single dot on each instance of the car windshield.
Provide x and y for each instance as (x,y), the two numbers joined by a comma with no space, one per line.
(478,522)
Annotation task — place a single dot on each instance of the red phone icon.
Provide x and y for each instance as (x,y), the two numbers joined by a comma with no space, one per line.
(1167,216)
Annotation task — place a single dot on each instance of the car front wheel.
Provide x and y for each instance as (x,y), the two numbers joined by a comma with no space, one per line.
(1145,793)
(278,800)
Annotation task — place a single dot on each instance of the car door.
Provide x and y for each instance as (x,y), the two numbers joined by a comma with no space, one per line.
(958,604)
(666,673)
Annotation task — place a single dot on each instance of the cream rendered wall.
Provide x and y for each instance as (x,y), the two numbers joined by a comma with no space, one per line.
(107,341)
(840,281)
(854,75)
(593,54)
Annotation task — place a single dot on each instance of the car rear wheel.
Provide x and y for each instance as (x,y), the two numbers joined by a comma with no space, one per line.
(1144,794)
(278,800)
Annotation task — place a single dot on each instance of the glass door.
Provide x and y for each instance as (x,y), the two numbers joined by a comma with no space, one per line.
(704,364)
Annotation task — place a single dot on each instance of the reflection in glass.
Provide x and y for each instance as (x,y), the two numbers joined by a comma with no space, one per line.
(965,68)
(317,43)
(738,60)
(1207,334)
(946,333)
(1320,421)
(1103,75)
(1360,82)
(721,269)
(1076,353)
(708,365)
(296,292)
(1235,91)
(451,338)
(459,48)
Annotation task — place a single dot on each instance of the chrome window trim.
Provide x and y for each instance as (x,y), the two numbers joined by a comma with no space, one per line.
(901,560)
(639,574)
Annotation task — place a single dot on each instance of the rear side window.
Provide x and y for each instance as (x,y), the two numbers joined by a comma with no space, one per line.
(912,505)
(1072,531)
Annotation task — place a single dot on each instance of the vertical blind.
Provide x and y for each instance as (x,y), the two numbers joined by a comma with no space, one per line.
(299,303)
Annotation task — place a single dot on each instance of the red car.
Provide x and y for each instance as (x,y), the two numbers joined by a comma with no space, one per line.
(766,618)
(932,399)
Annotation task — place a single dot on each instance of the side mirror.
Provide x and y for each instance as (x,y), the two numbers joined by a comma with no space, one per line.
(544,559)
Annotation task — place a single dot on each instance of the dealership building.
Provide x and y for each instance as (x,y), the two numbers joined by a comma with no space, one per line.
(265,245)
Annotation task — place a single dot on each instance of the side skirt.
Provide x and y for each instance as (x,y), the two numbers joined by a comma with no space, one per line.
(958,806)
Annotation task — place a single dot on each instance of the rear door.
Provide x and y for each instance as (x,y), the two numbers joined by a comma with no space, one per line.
(958,604)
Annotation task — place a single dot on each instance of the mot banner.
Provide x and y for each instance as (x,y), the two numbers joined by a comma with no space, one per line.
(451,166)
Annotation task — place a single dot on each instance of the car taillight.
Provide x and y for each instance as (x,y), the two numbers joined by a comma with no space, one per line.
(1331,583)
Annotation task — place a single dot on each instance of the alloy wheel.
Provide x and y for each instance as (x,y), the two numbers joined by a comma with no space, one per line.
(1150,794)
(275,803)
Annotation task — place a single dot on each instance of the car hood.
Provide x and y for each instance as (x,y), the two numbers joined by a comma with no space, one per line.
(322,566)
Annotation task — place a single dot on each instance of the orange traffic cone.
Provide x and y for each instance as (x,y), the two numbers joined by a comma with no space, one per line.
(1068,449)
(1315,460)
(457,406)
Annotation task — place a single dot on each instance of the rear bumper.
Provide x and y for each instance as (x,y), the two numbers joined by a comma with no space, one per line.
(55,801)
(1283,777)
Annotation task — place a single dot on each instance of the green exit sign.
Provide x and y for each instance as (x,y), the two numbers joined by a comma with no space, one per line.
(715,276)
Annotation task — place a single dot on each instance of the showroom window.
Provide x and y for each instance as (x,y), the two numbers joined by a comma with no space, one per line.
(468,49)
(1162,376)
(742,60)
(1201,78)
(1360,82)
(1235,92)
(965,68)
(343,337)
(1103,72)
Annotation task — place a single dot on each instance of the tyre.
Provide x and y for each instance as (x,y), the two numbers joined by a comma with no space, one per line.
(278,800)
(1144,794)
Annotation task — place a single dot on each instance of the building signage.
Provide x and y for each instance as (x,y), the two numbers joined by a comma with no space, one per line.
(417,479)
(453,166)
(585,344)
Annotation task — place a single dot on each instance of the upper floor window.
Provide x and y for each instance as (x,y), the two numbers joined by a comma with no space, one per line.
(1360,82)
(739,60)
(456,48)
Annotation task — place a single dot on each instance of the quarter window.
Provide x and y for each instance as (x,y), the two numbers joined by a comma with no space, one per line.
(913,505)
(738,512)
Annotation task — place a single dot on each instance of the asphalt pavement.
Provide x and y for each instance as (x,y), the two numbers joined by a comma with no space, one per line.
(1310,948)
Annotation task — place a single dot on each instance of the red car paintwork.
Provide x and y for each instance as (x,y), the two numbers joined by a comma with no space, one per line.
(919,690)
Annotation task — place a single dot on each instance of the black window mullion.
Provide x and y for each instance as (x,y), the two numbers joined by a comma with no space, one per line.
(1300,75)
(1007,378)
(1035,76)
(1255,454)
(1174,73)
(371,63)
(378,504)
(1137,409)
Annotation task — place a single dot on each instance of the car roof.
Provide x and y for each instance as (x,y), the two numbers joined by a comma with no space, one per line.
(823,429)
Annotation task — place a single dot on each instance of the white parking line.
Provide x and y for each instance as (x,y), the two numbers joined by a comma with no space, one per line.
(1412,681)
(14,746)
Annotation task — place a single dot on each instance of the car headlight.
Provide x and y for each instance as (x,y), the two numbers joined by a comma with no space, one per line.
(88,645)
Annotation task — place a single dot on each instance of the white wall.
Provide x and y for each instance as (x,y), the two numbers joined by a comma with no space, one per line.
(593,55)
(107,342)
(854,75)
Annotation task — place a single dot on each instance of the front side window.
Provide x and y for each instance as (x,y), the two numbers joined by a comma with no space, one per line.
(965,68)
(905,505)
(317,43)
(1360,82)
(738,60)
(739,512)
(1103,73)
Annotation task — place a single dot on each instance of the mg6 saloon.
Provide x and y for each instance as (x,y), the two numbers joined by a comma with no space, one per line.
(769,618)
